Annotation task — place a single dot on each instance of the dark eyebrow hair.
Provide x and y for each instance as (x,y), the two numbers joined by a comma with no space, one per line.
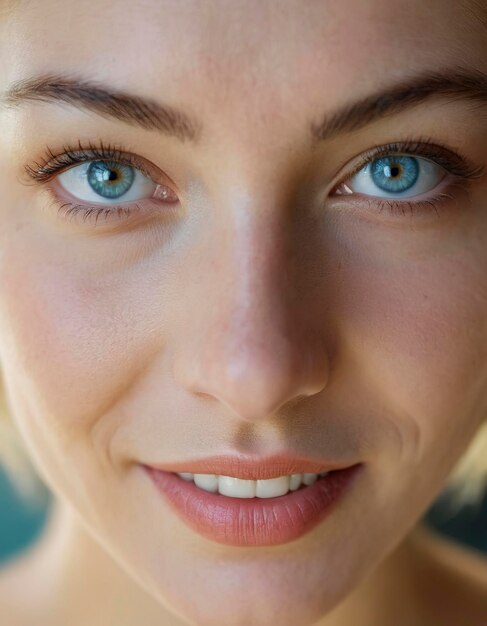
(118,104)
(452,84)
(449,84)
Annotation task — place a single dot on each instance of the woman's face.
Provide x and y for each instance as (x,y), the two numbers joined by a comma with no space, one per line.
(266,283)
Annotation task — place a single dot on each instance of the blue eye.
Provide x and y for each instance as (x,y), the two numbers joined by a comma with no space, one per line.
(105,181)
(110,180)
(397,176)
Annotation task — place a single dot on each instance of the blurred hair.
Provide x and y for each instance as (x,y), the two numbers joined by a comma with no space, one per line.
(466,484)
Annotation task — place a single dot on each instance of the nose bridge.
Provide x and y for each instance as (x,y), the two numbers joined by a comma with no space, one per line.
(250,345)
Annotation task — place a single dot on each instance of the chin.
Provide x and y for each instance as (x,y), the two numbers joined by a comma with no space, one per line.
(266,590)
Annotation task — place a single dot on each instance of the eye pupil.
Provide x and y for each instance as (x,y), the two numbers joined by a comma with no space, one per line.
(395,173)
(110,180)
(112,175)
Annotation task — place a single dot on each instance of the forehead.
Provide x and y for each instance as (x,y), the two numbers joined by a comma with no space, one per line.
(265,55)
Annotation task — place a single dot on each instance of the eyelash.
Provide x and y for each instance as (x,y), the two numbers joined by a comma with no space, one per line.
(53,164)
(463,171)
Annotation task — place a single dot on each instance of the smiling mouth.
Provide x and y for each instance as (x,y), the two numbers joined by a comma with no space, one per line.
(253,512)
(239,488)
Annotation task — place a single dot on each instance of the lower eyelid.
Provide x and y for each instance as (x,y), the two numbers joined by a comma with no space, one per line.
(452,195)
(112,216)
(115,216)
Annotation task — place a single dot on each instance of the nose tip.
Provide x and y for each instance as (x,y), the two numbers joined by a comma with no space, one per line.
(256,339)
(254,377)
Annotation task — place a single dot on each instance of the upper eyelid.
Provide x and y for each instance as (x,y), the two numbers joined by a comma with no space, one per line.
(53,165)
(453,163)
(366,162)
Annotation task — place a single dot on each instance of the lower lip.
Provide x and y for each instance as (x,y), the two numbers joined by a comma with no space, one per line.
(253,521)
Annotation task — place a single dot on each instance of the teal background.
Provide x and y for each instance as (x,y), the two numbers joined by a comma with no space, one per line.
(21,524)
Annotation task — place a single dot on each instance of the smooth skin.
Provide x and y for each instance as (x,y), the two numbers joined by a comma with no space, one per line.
(258,312)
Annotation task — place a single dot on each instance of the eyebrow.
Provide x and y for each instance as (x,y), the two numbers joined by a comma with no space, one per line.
(450,84)
(466,84)
(111,103)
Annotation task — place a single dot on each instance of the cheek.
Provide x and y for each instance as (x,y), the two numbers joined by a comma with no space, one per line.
(73,343)
(420,324)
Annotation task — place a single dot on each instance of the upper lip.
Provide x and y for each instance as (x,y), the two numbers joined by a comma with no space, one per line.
(252,468)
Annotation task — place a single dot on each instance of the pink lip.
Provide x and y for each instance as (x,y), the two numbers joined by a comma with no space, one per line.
(252,521)
(252,468)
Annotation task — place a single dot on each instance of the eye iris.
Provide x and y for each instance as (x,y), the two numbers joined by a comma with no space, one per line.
(110,180)
(395,173)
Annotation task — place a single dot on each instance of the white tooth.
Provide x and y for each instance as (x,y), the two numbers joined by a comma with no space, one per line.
(235,487)
(295,482)
(272,487)
(309,479)
(208,482)
(186,475)
(238,488)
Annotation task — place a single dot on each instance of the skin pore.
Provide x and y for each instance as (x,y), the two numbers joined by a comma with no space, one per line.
(252,309)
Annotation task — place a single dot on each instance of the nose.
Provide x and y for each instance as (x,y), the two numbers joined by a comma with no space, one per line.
(252,339)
